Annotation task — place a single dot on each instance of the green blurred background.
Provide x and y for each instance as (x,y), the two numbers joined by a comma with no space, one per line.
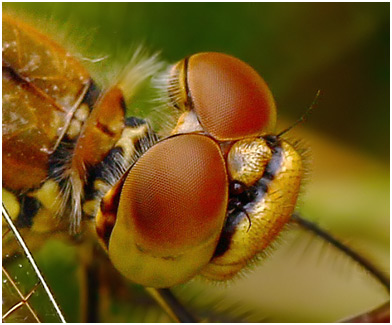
(340,48)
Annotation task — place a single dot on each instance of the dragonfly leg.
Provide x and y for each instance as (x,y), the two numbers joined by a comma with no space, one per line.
(170,304)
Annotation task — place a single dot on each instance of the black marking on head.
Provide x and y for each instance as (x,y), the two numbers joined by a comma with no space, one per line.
(239,204)
(231,223)
(29,208)
(236,188)
(272,140)
(92,95)
(273,165)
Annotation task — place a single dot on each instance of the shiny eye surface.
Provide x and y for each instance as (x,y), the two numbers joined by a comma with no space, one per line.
(176,193)
(225,92)
(171,211)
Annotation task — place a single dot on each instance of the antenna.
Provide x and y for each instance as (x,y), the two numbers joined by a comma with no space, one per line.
(304,116)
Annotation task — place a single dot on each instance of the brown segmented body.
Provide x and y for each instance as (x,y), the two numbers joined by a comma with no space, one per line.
(55,138)
(47,99)
(43,86)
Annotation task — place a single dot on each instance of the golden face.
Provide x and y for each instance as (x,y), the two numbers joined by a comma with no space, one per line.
(231,155)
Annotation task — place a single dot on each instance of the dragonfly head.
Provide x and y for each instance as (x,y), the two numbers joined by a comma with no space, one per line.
(216,192)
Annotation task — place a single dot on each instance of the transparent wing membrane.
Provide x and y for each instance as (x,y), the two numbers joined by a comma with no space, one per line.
(26,296)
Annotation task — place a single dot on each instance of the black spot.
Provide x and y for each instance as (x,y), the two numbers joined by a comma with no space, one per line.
(134,121)
(89,190)
(242,199)
(92,95)
(10,74)
(272,140)
(228,231)
(274,164)
(112,158)
(123,105)
(236,188)
(102,170)
(29,208)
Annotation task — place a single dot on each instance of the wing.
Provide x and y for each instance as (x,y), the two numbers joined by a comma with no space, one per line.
(26,296)
(43,85)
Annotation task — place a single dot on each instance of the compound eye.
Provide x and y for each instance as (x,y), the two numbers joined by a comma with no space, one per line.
(171,211)
(229,97)
(176,193)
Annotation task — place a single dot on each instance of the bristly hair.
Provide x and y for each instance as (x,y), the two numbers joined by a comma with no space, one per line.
(253,262)
(167,92)
(305,151)
(218,307)
(140,68)
(124,161)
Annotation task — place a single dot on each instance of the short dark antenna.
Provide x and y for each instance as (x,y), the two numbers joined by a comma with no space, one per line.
(304,116)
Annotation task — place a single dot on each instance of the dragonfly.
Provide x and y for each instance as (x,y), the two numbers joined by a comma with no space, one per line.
(83,92)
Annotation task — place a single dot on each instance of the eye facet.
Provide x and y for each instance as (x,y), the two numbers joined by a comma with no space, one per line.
(171,211)
(225,92)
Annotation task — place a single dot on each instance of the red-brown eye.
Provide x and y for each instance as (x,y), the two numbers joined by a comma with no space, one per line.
(171,211)
(230,99)
(176,193)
